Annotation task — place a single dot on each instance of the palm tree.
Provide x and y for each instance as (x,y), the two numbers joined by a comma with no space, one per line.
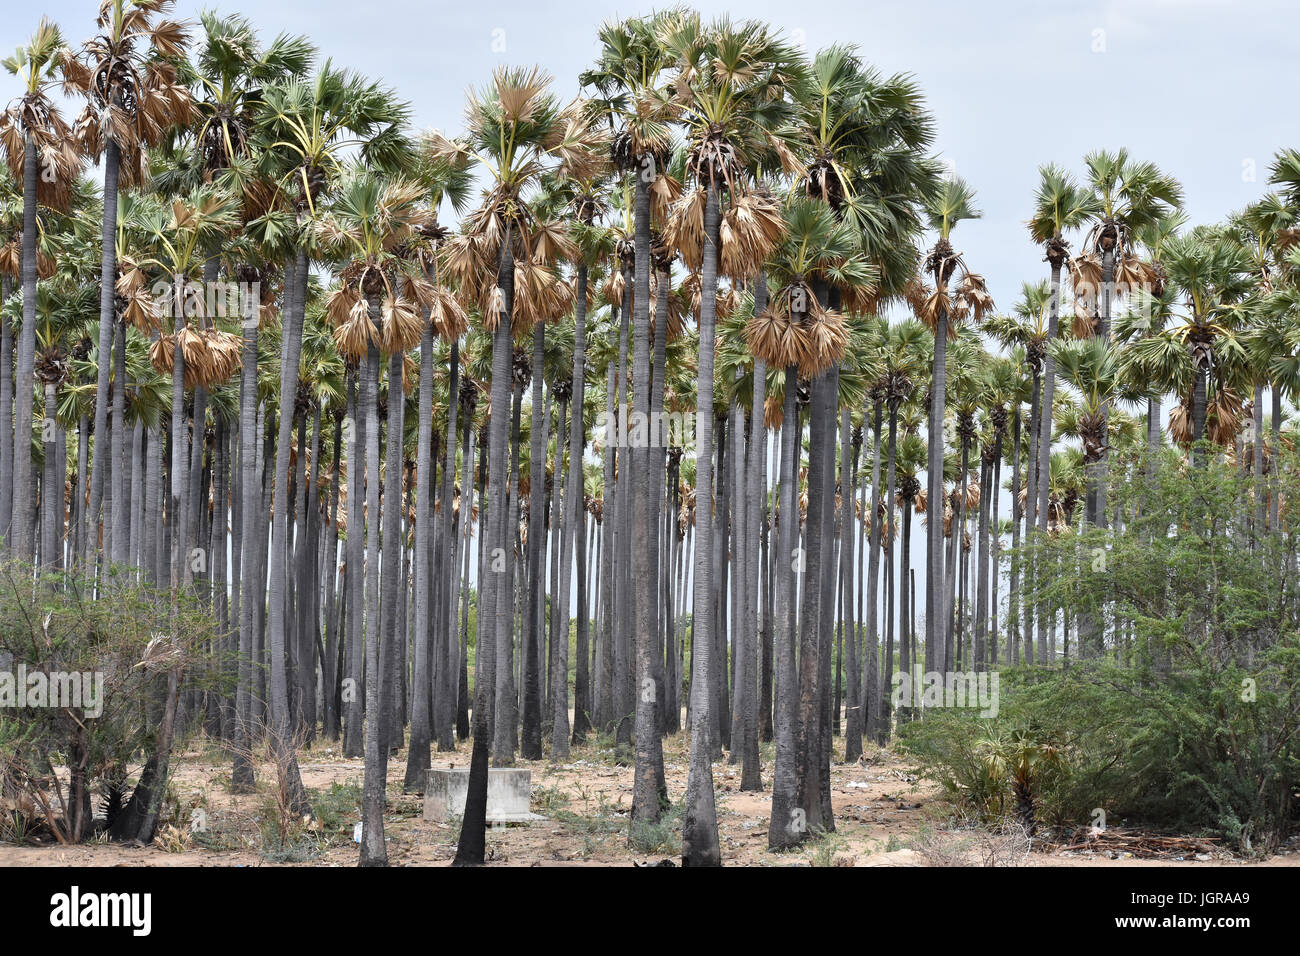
(176,236)
(11,221)
(1261,229)
(1127,196)
(593,243)
(1285,171)
(1030,332)
(1274,351)
(374,308)
(904,356)
(628,76)
(941,311)
(1092,366)
(730,81)
(304,129)
(799,334)
(1061,204)
(58,307)
(229,71)
(445,317)
(516,130)
(40,153)
(1150,310)
(1201,353)
(863,139)
(128,75)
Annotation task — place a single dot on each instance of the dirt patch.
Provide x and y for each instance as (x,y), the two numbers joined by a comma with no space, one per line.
(884,816)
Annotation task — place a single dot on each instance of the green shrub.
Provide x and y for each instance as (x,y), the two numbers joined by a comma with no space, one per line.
(1188,716)
(120,652)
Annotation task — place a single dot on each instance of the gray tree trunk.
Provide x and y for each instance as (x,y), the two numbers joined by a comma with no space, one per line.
(108,272)
(700,824)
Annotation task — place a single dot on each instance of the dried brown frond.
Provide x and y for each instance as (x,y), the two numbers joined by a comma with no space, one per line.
(751,226)
(684,229)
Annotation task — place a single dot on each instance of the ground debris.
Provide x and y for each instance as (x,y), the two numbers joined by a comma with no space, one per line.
(1137,843)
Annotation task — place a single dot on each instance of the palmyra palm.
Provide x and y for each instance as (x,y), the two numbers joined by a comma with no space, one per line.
(942,308)
(730,80)
(127,74)
(41,156)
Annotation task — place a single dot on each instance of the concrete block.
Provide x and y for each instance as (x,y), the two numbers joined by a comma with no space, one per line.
(508,793)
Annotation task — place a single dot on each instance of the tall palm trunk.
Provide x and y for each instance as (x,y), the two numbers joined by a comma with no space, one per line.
(891,511)
(7,418)
(505,713)
(1275,474)
(848,567)
(108,269)
(721,713)
(391,618)
(417,756)
(700,825)
(1154,435)
(335,582)
(995,547)
(786,824)
(446,527)
(355,582)
(1042,472)
(605,594)
(119,461)
(1030,509)
(658,552)
(740,562)
(574,520)
(177,513)
(217,548)
(621,524)
(281,728)
(807,779)
(51,486)
(824,583)
(374,852)
(494,587)
(1100,468)
(872,701)
(535,599)
(935,626)
(250,519)
(982,559)
(956,556)
(24,486)
(458,643)
(1200,388)
(443,641)
(550,612)
(648,753)
(755,475)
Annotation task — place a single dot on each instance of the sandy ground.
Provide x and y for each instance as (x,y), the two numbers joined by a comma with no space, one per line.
(884,816)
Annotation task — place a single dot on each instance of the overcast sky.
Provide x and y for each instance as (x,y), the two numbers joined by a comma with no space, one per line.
(1197,86)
